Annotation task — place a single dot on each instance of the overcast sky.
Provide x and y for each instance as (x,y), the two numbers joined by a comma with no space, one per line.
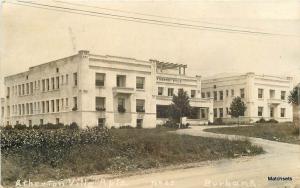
(31,36)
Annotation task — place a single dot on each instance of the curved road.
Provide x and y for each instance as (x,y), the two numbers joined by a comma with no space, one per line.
(280,159)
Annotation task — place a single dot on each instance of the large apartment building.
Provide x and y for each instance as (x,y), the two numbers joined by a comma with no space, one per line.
(101,90)
(265,96)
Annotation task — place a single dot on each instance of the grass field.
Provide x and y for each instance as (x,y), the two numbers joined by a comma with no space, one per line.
(282,132)
(42,155)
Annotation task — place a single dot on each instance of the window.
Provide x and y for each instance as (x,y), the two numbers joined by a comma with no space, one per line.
(121,105)
(43,85)
(41,122)
(62,79)
(227,93)
(74,103)
(52,106)
(282,112)
(67,102)
(67,78)
(57,82)
(121,81)
(139,123)
(272,94)
(19,89)
(232,92)
(43,106)
(7,92)
(53,83)
(31,88)
(101,122)
(242,93)
(260,93)
(75,79)
(208,94)
(221,95)
(272,112)
(202,95)
(27,88)
(47,84)
(282,95)
(23,89)
(100,78)
(140,81)
(57,70)
(100,104)
(193,93)
(203,113)
(260,111)
(170,91)
(215,95)
(160,91)
(47,106)
(30,122)
(57,120)
(57,105)
(227,111)
(140,105)
(221,112)
(31,108)
(215,113)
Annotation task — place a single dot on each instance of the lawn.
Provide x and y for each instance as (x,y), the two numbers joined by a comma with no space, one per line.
(282,132)
(41,155)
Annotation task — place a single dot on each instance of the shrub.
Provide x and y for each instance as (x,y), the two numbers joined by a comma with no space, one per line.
(36,127)
(126,127)
(74,125)
(218,121)
(8,127)
(272,121)
(20,126)
(261,120)
(74,108)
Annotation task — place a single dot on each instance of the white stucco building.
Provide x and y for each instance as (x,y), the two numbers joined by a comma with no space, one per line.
(265,96)
(100,90)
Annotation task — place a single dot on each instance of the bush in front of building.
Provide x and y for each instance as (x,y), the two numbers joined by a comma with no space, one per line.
(172,124)
(262,120)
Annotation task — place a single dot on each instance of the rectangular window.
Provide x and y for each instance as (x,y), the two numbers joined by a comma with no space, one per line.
(260,111)
(101,122)
(227,93)
(215,95)
(31,88)
(41,122)
(57,121)
(62,79)
(203,113)
(52,106)
(282,112)
(227,111)
(47,106)
(208,94)
(30,122)
(232,92)
(121,103)
(121,81)
(67,102)
(170,91)
(27,88)
(43,85)
(67,78)
(31,108)
(53,83)
(100,78)
(140,82)
(57,82)
(19,90)
(139,123)
(23,89)
(57,105)
(160,91)
(193,93)
(75,78)
(140,105)
(7,92)
(75,103)
(215,112)
(272,94)
(202,95)
(100,104)
(260,93)
(221,95)
(47,84)
(283,95)
(43,106)
(242,93)
(221,112)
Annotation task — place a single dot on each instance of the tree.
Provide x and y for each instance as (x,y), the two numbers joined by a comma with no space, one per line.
(237,108)
(180,106)
(293,98)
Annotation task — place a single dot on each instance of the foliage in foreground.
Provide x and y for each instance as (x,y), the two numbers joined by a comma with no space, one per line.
(54,154)
(283,132)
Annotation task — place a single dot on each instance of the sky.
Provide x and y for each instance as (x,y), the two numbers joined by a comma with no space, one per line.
(30,36)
